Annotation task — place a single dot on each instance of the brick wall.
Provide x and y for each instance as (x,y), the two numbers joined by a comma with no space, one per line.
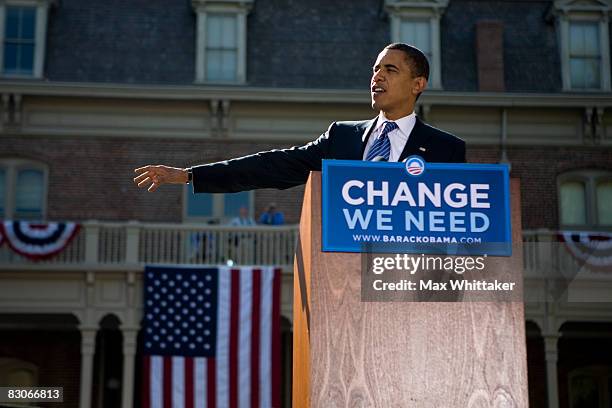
(315,43)
(538,169)
(490,55)
(110,40)
(91,178)
(531,52)
(55,353)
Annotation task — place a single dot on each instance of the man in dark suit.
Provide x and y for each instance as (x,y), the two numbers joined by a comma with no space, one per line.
(399,76)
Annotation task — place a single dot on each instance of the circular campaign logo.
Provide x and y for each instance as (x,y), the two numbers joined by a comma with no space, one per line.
(415,165)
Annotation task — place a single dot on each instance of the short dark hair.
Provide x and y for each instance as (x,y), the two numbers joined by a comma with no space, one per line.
(415,57)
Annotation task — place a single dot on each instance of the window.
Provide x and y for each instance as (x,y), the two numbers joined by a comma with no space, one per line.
(417,33)
(19,40)
(584,199)
(584,44)
(23,190)
(221,41)
(23,26)
(29,193)
(418,24)
(573,198)
(221,48)
(590,387)
(216,208)
(18,373)
(604,202)
(585,55)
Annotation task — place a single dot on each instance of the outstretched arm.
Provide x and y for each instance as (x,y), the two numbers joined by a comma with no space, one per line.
(271,169)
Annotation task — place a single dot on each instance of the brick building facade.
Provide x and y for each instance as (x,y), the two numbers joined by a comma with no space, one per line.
(114,85)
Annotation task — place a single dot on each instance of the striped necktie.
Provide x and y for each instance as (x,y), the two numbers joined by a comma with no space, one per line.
(382,146)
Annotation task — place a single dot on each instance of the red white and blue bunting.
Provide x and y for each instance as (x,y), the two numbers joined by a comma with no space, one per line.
(594,249)
(38,241)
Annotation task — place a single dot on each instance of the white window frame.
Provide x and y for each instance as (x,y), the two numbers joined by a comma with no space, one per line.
(420,10)
(12,166)
(40,36)
(590,178)
(598,11)
(218,207)
(239,8)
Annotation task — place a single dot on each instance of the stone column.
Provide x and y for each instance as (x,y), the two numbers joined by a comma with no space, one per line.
(130,334)
(552,356)
(129,356)
(88,348)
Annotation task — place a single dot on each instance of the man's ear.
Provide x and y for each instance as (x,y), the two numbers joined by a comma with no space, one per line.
(420,83)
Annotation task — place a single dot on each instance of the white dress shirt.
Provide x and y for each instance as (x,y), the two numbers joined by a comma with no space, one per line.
(242,221)
(397,137)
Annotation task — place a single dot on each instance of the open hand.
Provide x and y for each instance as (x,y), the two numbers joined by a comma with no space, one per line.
(154,176)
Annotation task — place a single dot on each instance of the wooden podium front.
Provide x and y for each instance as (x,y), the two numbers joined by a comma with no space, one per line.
(348,353)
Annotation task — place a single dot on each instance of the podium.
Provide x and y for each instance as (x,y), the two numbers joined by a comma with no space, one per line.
(348,353)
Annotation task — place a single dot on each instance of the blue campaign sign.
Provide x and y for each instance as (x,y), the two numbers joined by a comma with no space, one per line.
(416,207)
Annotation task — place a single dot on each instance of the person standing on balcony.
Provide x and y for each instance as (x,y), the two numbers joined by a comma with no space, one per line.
(399,76)
(241,241)
(244,219)
(271,216)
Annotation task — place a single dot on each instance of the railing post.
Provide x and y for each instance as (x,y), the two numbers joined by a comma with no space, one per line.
(545,252)
(92,241)
(132,241)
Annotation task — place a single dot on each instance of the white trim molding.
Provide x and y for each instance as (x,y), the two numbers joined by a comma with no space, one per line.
(595,11)
(429,11)
(296,95)
(40,34)
(238,8)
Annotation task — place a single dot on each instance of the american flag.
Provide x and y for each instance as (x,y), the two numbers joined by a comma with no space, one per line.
(212,337)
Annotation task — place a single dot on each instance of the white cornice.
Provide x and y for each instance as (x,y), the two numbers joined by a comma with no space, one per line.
(567,6)
(221,5)
(295,95)
(407,5)
(417,3)
(42,3)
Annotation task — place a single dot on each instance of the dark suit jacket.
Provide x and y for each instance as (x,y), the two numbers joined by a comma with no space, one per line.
(343,141)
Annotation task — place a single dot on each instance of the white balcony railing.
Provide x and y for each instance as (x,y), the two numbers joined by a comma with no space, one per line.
(121,244)
(131,243)
(544,255)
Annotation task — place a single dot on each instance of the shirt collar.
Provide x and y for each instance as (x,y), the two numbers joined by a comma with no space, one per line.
(405,124)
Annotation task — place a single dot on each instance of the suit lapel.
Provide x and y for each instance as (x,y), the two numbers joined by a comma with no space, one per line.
(366,134)
(418,138)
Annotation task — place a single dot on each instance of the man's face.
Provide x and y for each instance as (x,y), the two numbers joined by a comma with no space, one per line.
(393,88)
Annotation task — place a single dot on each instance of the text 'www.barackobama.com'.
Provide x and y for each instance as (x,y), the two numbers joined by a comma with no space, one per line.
(414,239)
